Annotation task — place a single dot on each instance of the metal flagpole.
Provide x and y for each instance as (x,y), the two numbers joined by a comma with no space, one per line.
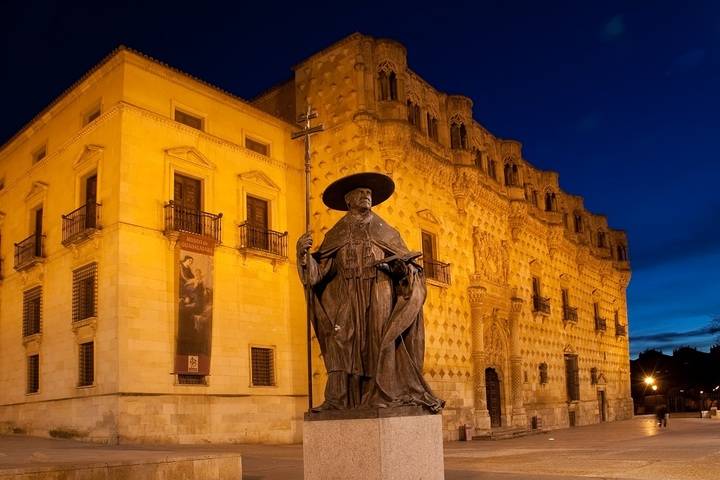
(307,130)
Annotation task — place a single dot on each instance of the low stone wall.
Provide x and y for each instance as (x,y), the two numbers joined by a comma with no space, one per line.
(89,419)
(216,419)
(174,419)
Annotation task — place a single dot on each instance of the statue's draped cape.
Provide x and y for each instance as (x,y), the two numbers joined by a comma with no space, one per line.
(370,324)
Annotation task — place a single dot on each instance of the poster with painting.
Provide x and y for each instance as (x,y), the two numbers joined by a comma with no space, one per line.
(194,306)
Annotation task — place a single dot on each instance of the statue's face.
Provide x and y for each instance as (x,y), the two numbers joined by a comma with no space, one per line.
(359,199)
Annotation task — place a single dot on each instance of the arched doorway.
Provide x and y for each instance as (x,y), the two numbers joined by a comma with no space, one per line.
(492,391)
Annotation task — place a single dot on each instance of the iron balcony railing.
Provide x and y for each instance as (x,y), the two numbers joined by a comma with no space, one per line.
(620,330)
(181,219)
(80,223)
(29,251)
(541,304)
(263,239)
(436,270)
(600,324)
(570,314)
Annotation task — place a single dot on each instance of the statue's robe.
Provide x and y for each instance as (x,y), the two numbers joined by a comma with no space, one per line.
(368,320)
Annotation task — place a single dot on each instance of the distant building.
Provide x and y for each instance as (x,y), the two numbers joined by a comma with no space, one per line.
(149,291)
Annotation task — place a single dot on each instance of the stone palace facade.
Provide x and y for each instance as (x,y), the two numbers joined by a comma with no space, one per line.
(148,286)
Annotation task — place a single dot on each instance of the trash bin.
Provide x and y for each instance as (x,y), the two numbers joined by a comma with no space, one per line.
(466,432)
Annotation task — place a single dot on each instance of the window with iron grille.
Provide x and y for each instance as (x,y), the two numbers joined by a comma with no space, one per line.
(84,302)
(572,377)
(263,366)
(32,306)
(33,374)
(86,366)
(190,379)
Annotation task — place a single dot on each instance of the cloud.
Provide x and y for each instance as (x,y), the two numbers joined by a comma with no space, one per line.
(711,329)
(614,28)
(700,338)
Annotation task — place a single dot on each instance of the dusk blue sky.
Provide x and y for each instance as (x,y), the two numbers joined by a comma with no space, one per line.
(621,98)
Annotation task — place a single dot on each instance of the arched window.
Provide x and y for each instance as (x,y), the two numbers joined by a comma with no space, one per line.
(432,129)
(477,158)
(387,84)
(578,223)
(512,177)
(543,371)
(492,169)
(550,202)
(601,242)
(413,113)
(622,253)
(458,135)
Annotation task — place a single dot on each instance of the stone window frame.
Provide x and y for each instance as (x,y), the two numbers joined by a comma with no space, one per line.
(188,110)
(92,113)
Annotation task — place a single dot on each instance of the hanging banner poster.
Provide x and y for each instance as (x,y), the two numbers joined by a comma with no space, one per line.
(195,302)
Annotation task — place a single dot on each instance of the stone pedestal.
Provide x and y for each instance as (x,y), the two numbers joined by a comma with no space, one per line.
(375,447)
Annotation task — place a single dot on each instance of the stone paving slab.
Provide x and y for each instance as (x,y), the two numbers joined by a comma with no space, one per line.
(689,449)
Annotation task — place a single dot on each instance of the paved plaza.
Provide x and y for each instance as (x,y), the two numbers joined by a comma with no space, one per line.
(634,449)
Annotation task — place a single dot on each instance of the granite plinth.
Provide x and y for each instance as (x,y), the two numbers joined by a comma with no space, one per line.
(379,446)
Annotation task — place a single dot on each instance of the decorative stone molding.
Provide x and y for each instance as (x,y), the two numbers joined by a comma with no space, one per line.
(516,305)
(476,296)
(88,157)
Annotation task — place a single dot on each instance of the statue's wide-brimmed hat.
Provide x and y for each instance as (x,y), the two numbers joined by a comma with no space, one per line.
(380,184)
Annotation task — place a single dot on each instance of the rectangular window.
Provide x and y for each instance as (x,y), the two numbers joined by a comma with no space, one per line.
(565,298)
(572,377)
(536,286)
(92,115)
(86,365)
(263,366)
(84,301)
(32,306)
(33,374)
(257,146)
(39,154)
(188,119)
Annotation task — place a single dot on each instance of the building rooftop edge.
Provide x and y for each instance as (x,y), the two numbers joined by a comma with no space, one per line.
(104,61)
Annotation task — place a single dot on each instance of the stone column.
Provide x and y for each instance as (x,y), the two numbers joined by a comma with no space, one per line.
(476,296)
(519,417)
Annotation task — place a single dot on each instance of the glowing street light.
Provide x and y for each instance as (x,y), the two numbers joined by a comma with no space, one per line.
(654,387)
(649,381)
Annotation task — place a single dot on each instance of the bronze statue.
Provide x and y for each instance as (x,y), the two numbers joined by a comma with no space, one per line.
(366,294)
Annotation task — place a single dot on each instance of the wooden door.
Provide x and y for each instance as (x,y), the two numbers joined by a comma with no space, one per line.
(601,404)
(91,201)
(38,231)
(492,391)
(187,204)
(428,248)
(257,219)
